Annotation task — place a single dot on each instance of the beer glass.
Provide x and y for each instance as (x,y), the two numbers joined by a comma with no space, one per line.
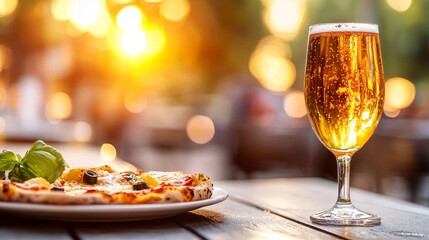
(344,96)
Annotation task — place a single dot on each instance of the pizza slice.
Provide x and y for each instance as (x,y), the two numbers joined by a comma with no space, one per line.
(40,177)
(104,185)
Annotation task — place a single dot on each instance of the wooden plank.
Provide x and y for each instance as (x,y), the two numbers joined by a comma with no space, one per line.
(32,233)
(149,229)
(299,198)
(234,220)
(12,227)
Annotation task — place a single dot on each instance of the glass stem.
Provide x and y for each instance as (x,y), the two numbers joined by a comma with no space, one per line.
(343,165)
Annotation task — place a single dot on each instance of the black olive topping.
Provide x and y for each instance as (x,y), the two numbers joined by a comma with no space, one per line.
(57,189)
(140,186)
(5,187)
(90,177)
(129,176)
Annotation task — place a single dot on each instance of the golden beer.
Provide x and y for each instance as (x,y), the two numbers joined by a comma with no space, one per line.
(344,88)
(344,95)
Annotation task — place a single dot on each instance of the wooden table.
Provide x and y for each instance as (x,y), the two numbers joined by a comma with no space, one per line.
(255,209)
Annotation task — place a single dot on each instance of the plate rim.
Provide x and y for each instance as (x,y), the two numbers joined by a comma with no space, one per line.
(98,212)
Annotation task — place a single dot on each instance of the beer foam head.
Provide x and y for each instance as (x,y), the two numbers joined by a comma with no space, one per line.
(343,27)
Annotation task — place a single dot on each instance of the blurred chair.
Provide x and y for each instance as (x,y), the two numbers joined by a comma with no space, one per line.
(399,149)
(270,152)
(385,157)
(422,171)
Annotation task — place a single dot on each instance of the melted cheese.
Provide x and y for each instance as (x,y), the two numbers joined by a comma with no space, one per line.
(107,182)
(37,181)
(173,178)
(114,182)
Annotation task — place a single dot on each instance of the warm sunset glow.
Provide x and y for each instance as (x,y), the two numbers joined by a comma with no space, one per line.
(72,31)
(283,17)
(84,14)
(155,41)
(122,1)
(174,10)
(58,107)
(7,7)
(133,42)
(102,26)
(82,132)
(102,44)
(399,5)
(400,93)
(134,102)
(129,18)
(59,9)
(294,104)
(108,152)
(200,129)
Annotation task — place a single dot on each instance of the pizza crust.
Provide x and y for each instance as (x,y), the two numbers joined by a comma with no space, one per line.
(14,194)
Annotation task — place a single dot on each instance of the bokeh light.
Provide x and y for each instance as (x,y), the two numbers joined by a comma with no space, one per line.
(200,129)
(82,131)
(270,66)
(84,14)
(129,18)
(122,1)
(102,26)
(7,7)
(155,41)
(59,9)
(108,152)
(283,17)
(294,104)
(399,5)
(273,73)
(274,46)
(58,107)
(392,113)
(175,10)
(134,101)
(400,93)
(133,42)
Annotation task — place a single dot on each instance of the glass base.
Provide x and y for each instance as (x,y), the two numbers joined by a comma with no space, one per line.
(345,215)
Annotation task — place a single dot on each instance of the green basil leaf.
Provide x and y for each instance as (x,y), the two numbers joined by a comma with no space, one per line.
(20,174)
(8,160)
(43,161)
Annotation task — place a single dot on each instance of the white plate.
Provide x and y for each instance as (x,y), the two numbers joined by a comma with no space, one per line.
(108,213)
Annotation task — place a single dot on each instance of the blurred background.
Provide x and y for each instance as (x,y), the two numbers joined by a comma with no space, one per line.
(208,85)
